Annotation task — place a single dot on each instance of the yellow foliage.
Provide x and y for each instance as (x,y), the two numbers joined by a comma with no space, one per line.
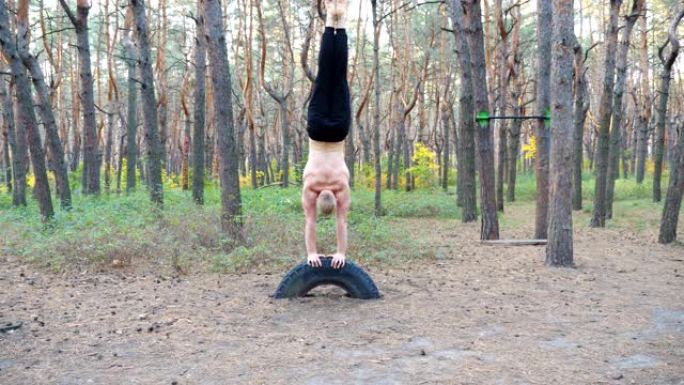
(530,149)
(424,166)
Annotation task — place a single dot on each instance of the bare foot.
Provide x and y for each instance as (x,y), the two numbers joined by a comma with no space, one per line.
(314,260)
(338,261)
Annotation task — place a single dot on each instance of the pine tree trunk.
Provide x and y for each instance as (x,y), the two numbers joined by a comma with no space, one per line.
(644,104)
(231,221)
(598,218)
(132,120)
(502,99)
(490,222)
(26,119)
(6,156)
(149,105)
(559,250)
(544,33)
(673,198)
(376,112)
(664,92)
(199,111)
(91,169)
(615,146)
(467,114)
(446,127)
(17,144)
(581,108)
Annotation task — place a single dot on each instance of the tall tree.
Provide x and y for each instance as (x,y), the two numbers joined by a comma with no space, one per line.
(91,168)
(282,96)
(132,116)
(598,217)
(616,115)
(44,107)
(27,123)
(467,112)
(541,131)
(149,104)
(223,106)
(559,250)
(580,113)
(17,144)
(664,93)
(376,108)
(199,109)
(645,103)
(473,18)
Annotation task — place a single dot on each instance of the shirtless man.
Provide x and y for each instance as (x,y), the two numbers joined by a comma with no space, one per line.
(326,177)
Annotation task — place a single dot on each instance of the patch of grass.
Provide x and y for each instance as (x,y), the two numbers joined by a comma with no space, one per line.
(131,230)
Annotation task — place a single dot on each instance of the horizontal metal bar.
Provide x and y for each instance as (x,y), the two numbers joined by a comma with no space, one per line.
(518,117)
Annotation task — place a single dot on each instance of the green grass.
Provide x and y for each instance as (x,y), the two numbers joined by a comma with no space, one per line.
(129,228)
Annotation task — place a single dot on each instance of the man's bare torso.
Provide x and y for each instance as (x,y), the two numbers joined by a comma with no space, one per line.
(326,168)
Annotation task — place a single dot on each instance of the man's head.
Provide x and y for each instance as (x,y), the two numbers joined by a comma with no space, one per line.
(326,202)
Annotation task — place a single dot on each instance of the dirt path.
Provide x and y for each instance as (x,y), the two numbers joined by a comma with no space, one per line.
(474,315)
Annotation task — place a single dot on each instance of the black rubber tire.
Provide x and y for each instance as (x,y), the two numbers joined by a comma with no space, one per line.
(303,278)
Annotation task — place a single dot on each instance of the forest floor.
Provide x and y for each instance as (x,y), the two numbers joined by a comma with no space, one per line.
(469,314)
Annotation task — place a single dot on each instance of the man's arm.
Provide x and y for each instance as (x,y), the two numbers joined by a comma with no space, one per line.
(343,203)
(309,205)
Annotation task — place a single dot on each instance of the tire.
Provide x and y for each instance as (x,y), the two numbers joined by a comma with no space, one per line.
(303,278)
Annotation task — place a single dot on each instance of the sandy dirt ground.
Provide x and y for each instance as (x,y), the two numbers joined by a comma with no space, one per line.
(472,315)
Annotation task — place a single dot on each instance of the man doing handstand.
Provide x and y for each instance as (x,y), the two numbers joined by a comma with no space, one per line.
(326,176)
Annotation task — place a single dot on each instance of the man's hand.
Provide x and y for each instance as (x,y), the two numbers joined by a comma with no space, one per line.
(338,261)
(314,260)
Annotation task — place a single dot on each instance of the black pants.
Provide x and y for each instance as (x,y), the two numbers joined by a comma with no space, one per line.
(329,114)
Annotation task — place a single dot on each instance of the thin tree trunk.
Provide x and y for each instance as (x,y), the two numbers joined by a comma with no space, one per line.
(644,104)
(490,222)
(467,112)
(149,105)
(91,169)
(502,80)
(17,144)
(26,119)
(544,33)
(132,121)
(664,92)
(598,218)
(199,111)
(615,146)
(673,198)
(376,111)
(231,221)
(580,113)
(559,249)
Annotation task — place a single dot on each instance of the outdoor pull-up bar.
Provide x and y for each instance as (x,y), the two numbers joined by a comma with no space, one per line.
(483,117)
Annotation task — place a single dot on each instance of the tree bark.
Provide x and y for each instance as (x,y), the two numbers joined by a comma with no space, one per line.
(199,111)
(231,220)
(544,33)
(598,218)
(664,92)
(580,112)
(26,120)
(132,120)
(467,113)
(47,116)
(673,198)
(490,222)
(644,103)
(559,249)
(615,146)
(91,169)
(17,144)
(149,105)
(502,99)
(376,111)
